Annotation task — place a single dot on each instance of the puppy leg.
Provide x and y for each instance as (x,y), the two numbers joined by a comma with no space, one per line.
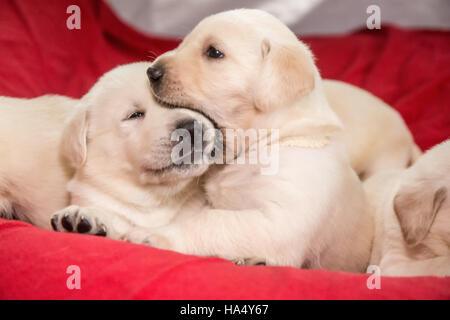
(90,220)
(230,235)
(141,235)
(400,158)
(439,266)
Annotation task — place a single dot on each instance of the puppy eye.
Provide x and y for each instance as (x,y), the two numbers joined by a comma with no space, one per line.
(214,53)
(136,115)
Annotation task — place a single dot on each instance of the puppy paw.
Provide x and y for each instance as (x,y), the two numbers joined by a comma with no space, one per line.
(138,237)
(79,220)
(147,237)
(249,262)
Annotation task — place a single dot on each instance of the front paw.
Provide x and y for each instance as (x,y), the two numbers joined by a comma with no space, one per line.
(138,237)
(147,237)
(79,220)
(249,262)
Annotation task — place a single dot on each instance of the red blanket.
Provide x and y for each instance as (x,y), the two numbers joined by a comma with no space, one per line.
(39,55)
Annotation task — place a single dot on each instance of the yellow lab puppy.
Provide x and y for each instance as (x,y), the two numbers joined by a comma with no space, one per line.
(412,214)
(241,64)
(33,174)
(120,142)
(118,139)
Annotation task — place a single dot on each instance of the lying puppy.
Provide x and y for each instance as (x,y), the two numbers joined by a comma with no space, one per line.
(120,142)
(127,137)
(412,213)
(246,70)
(240,64)
(375,135)
(33,174)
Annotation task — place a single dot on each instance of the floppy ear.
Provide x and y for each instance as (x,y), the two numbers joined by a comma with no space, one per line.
(416,207)
(288,80)
(286,75)
(74,138)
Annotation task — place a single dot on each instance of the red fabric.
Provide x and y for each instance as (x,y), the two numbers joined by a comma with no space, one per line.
(39,55)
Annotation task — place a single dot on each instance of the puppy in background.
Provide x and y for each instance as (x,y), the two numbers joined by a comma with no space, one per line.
(412,213)
(33,174)
(375,135)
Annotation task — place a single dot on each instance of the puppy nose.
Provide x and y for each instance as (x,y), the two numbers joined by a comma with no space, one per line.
(189,125)
(155,73)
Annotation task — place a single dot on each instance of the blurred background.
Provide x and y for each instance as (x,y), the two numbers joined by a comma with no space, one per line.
(174,18)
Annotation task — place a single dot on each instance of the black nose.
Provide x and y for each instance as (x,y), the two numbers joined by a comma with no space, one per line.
(193,127)
(155,73)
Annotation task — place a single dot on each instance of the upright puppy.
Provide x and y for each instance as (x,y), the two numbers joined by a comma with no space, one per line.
(241,64)
(412,214)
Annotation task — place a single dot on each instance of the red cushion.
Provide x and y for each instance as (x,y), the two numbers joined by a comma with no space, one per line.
(39,55)
(33,264)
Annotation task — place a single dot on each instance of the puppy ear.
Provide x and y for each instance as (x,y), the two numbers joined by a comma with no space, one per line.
(288,79)
(74,138)
(265,48)
(416,207)
(286,75)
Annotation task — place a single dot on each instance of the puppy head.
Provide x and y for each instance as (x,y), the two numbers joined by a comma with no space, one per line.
(422,204)
(239,67)
(119,127)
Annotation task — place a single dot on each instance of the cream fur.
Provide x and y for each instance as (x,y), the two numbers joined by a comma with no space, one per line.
(264,66)
(124,177)
(33,175)
(311,213)
(412,213)
(375,135)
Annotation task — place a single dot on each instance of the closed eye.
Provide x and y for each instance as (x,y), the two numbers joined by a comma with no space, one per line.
(136,115)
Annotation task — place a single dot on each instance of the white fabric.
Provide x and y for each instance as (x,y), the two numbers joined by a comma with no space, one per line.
(175,18)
